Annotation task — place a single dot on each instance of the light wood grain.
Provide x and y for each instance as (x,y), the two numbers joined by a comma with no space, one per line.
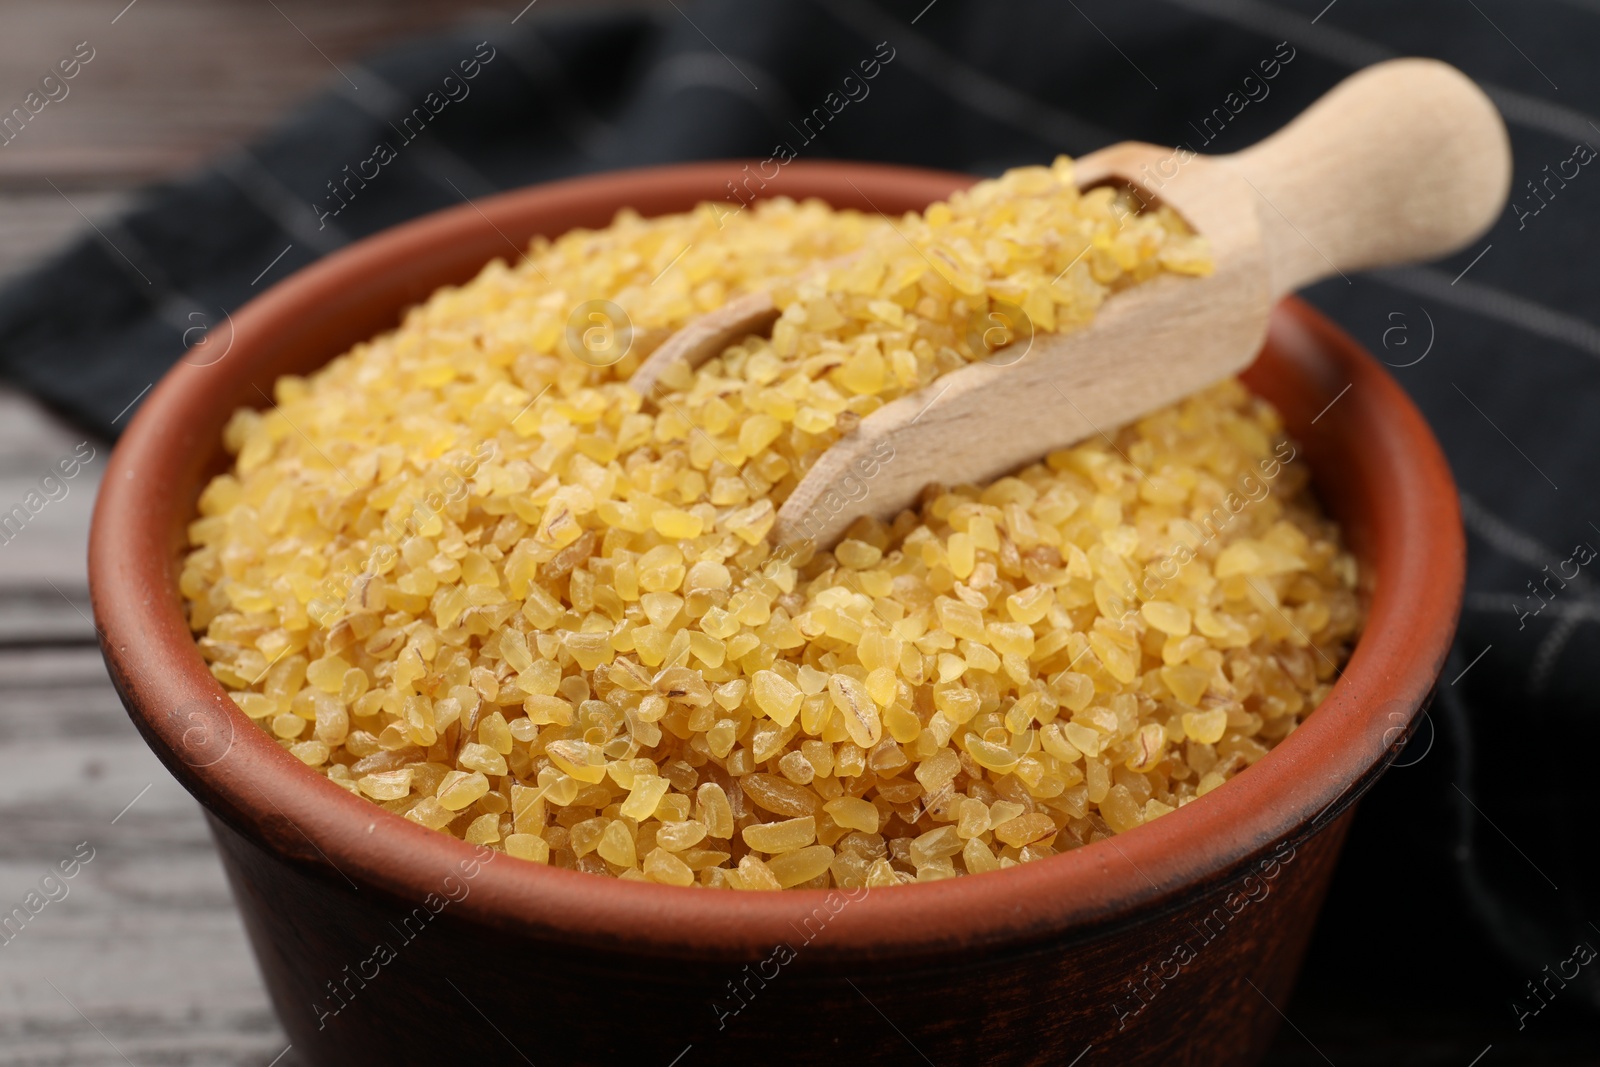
(1402,162)
(706,336)
(752,314)
(171,80)
(43,576)
(146,942)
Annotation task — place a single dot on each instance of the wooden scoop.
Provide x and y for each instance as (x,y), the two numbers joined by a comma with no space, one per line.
(1401,162)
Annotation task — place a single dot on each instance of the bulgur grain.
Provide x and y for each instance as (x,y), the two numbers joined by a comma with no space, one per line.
(482,583)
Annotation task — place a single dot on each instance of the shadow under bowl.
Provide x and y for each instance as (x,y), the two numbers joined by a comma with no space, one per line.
(382,941)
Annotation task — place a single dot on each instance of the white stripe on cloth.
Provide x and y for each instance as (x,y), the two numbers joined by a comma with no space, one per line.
(709,70)
(1570,611)
(1510,603)
(129,256)
(272,198)
(1492,303)
(968,85)
(388,105)
(1352,50)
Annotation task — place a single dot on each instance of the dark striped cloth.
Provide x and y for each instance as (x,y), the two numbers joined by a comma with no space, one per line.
(1471,872)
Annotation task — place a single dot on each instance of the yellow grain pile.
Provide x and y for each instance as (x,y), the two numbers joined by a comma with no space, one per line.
(481,582)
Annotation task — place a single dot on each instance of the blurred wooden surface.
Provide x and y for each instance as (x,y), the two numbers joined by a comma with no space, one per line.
(145,944)
(143,961)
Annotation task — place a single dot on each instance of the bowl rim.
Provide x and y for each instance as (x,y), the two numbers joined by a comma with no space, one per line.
(243,778)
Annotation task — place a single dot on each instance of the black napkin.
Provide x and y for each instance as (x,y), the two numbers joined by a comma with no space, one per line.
(1470,870)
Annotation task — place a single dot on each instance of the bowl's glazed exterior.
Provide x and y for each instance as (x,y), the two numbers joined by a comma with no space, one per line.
(384,942)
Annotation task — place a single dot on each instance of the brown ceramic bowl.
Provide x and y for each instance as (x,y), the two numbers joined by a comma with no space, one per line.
(383,942)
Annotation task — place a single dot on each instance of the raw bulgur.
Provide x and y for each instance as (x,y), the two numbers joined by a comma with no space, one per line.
(480,581)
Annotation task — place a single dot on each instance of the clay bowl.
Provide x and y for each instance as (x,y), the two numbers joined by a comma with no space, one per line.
(383,942)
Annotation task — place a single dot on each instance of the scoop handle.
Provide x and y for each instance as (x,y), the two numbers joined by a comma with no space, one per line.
(1404,161)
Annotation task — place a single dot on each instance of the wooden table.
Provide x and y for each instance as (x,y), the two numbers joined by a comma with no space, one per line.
(144,960)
